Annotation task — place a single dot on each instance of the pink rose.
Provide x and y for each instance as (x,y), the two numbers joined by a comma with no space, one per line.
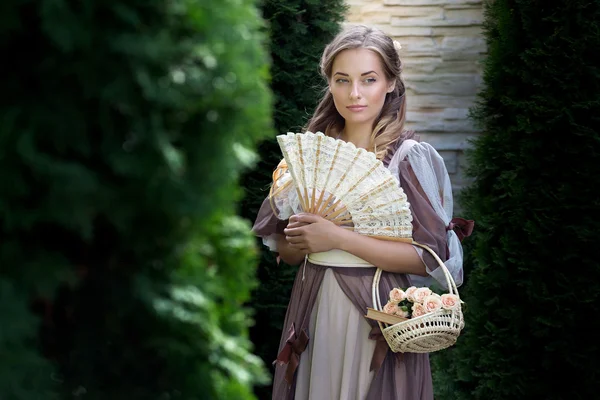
(397,295)
(450,301)
(421,293)
(418,309)
(432,303)
(390,308)
(402,313)
(410,293)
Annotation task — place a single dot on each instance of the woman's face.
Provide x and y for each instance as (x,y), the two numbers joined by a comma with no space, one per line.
(359,85)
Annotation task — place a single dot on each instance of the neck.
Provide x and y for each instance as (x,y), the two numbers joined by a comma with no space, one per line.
(359,135)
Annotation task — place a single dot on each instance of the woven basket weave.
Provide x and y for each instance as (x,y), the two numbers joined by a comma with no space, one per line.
(425,334)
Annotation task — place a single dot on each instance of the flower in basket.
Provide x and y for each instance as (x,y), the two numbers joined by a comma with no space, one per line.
(417,310)
(450,301)
(421,293)
(397,304)
(410,293)
(432,303)
(394,309)
(397,295)
(414,302)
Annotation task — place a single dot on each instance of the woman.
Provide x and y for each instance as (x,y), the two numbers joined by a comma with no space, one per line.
(328,349)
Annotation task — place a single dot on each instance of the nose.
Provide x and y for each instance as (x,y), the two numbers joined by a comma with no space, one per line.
(355,91)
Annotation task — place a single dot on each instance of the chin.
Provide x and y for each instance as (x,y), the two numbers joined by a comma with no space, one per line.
(358,119)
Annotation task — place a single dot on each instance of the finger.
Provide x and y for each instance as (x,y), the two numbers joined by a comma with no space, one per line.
(294,239)
(296,224)
(293,231)
(296,217)
(307,218)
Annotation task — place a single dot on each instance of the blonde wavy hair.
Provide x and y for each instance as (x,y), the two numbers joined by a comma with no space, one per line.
(388,127)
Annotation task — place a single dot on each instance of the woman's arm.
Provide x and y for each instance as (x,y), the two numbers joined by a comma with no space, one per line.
(388,255)
(308,233)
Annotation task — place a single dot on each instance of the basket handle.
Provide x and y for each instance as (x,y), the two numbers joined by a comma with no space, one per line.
(449,280)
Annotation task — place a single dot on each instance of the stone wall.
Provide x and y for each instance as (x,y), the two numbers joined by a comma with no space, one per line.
(442,50)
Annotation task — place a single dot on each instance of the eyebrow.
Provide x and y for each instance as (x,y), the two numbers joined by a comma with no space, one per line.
(363,74)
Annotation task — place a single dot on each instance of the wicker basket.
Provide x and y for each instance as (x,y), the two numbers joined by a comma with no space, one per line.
(425,334)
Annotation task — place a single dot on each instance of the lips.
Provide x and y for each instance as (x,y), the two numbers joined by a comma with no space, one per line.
(356,108)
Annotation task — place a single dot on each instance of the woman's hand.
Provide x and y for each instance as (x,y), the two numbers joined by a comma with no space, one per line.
(311,233)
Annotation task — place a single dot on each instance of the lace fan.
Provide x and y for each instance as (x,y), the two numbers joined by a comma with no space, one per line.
(346,185)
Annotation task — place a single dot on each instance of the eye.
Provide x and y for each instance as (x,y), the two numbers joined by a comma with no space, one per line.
(341,80)
(370,80)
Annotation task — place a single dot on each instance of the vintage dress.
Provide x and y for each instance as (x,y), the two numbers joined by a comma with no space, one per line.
(328,349)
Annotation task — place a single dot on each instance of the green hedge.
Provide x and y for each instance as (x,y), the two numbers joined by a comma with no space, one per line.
(124,127)
(534,288)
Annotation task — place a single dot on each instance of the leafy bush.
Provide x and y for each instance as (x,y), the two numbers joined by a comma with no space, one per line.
(533,286)
(124,128)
